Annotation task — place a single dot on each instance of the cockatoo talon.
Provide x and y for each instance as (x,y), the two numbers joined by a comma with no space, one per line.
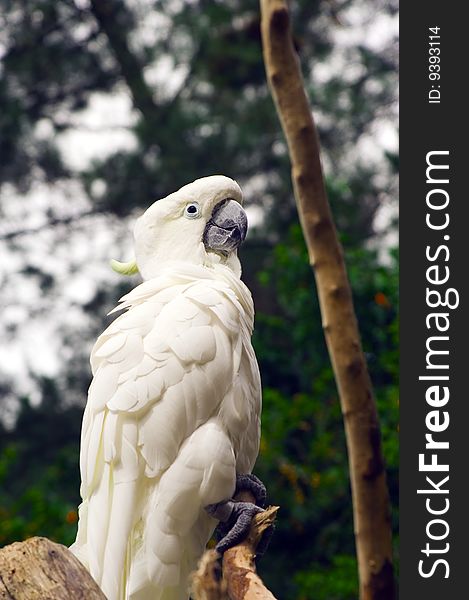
(253,484)
(221,510)
(235,517)
(242,514)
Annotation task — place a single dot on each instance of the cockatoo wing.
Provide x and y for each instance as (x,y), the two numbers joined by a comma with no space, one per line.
(175,365)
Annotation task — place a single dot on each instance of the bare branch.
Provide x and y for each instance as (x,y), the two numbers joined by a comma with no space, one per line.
(368,478)
(240,580)
(239,568)
(207,582)
(38,569)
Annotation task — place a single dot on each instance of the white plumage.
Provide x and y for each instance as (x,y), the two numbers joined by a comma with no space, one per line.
(173,409)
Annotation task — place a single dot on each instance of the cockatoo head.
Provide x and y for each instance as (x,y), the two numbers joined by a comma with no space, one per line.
(202,223)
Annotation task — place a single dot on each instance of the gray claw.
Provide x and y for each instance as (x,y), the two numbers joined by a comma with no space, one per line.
(236,517)
(241,516)
(254,485)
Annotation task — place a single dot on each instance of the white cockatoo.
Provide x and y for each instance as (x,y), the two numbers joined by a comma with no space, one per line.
(172,420)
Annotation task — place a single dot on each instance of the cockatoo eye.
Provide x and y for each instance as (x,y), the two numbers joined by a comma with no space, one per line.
(192,210)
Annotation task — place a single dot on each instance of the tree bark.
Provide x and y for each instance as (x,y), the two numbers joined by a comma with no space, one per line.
(239,579)
(39,569)
(239,567)
(207,582)
(367,474)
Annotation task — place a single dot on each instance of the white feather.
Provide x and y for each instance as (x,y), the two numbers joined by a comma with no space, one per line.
(173,409)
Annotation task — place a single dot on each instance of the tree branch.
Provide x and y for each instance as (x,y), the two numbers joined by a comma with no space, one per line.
(239,580)
(38,569)
(368,479)
(239,568)
(207,582)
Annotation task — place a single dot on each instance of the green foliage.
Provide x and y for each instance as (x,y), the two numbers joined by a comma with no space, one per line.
(220,120)
(339,582)
(303,455)
(303,452)
(39,480)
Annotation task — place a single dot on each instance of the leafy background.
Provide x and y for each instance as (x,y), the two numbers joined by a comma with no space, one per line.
(106,106)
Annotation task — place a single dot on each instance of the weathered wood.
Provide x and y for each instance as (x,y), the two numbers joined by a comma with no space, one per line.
(238,579)
(207,581)
(367,474)
(239,568)
(38,569)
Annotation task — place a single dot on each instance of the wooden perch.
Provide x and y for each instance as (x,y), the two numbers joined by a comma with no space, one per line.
(207,582)
(368,479)
(39,569)
(239,579)
(239,568)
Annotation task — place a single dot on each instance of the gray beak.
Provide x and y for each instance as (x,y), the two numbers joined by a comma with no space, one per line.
(226,228)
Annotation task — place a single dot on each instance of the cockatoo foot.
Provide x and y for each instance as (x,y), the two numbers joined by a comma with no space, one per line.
(253,484)
(236,520)
(236,517)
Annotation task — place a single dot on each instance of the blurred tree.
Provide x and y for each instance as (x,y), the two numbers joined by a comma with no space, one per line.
(39,487)
(303,453)
(199,105)
(208,109)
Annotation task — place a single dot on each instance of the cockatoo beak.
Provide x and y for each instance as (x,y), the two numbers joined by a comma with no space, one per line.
(227,227)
